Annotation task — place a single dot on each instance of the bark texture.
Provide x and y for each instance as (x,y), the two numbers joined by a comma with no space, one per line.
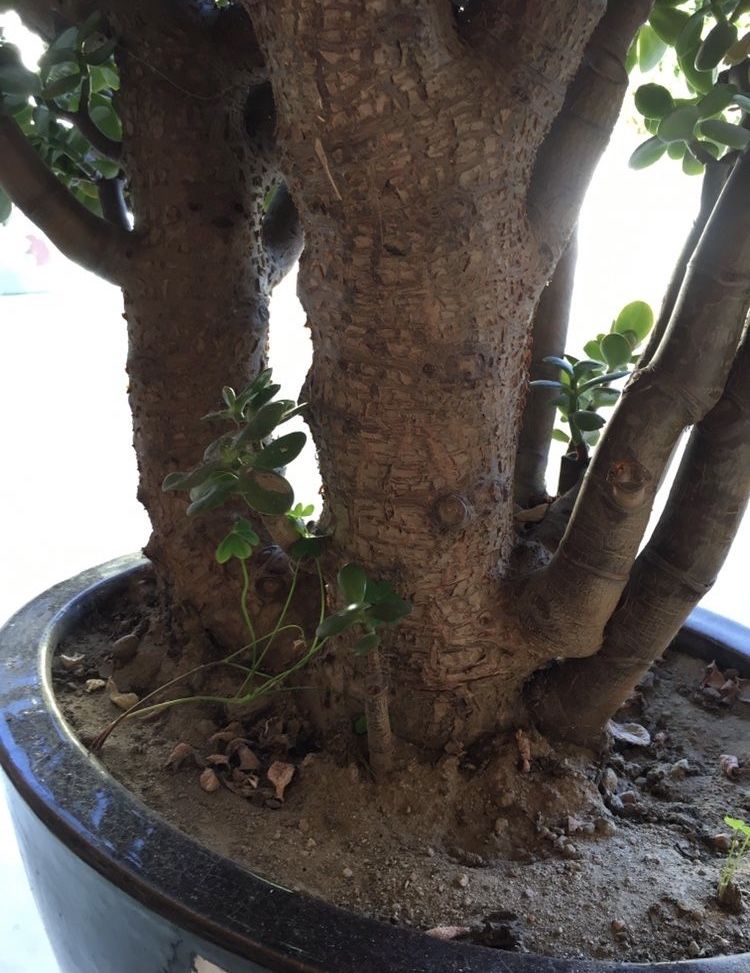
(409,154)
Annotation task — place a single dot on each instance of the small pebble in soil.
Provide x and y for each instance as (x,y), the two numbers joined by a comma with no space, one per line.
(462,880)
(721,842)
(94,685)
(347,872)
(693,949)
(528,893)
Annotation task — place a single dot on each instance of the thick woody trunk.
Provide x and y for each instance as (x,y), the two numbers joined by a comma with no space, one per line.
(196,298)
(419,277)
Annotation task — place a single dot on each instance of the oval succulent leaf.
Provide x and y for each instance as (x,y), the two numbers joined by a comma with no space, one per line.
(636,316)
(266,491)
(339,622)
(588,421)
(668,23)
(615,349)
(679,124)
(280,452)
(352,581)
(653,101)
(560,362)
(733,136)
(650,48)
(715,45)
(263,423)
(367,643)
(644,155)
(719,97)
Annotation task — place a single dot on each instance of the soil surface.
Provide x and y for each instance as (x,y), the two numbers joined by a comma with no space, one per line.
(566,855)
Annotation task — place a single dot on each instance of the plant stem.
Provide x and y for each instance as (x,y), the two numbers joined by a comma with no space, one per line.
(243,604)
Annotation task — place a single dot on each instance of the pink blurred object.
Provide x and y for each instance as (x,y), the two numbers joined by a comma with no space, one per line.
(38,249)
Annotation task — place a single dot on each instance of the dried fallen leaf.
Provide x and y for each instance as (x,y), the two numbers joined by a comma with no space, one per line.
(209,781)
(230,732)
(446,933)
(247,759)
(71,662)
(178,756)
(124,701)
(632,733)
(217,759)
(713,677)
(280,775)
(730,765)
(524,751)
(94,685)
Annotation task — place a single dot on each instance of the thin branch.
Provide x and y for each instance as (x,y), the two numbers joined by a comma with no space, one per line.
(92,242)
(550,333)
(282,232)
(714,177)
(105,146)
(676,568)
(568,156)
(567,604)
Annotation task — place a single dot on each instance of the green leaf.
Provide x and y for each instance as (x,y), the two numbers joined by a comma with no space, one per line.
(229,396)
(6,206)
(615,349)
(257,399)
(299,511)
(593,350)
(691,166)
(266,491)
(211,494)
(690,36)
(650,48)
(679,124)
(737,824)
(605,379)
(700,81)
(367,643)
(587,366)
(263,423)
(352,581)
(644,155)
(100,54)
(546,383)
(105,167)
(560,436)
(62,85)
(15,79)
(389,610)
(668,23)
(339,622)
(719,97)
(103,78)
(717,129)
(359,726)
(715,45)
(560,362)
(103,115)
(309,546)
(653,101)
(602,398)
(280,452)
(186,481)
(90,25)
(636,316)
(233,546)
(588,421)
(676,150)
(742,101)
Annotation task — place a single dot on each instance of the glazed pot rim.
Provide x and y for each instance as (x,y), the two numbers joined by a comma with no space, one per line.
(172,874)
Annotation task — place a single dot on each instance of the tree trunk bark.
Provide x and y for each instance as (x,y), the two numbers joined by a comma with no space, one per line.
(409,163)
(197,291)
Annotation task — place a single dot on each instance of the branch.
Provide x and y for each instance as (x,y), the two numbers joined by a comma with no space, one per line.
(567,604)
(283,237)
(714,177)
(550,330)
(112,201)
(676,568)
(76,231)
(568,156)
(105,146)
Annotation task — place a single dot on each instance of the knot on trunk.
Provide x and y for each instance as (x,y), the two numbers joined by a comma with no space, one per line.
(452,511)
(628,482)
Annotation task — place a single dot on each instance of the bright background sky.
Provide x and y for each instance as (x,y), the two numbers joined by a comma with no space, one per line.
(67,494)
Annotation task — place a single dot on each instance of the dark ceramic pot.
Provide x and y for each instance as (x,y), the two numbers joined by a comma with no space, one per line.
(121,891)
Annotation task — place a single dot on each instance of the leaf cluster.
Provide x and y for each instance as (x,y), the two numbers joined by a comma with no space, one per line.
(584,385)
(697,129)
(368,604)
(76,75)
